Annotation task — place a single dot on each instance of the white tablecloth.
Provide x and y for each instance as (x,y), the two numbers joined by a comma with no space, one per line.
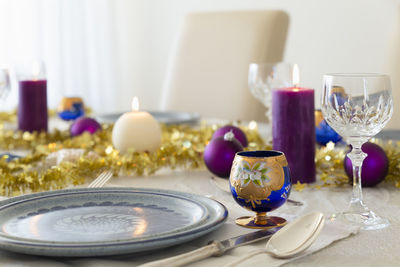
(367,248)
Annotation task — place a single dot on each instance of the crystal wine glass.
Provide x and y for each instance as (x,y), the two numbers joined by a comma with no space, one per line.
(358,106)
(5,85)
(263,77)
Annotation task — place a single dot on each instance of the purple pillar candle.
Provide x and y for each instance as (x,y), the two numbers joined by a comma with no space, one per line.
(293,130)
(32,106)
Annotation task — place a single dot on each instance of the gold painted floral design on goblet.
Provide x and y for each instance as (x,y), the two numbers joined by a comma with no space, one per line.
(260,182)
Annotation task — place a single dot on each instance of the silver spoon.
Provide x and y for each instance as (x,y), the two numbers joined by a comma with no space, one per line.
(292,239)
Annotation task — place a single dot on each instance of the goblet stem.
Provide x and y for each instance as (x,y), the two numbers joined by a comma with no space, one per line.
(358,212)
(261,218)
(357,157)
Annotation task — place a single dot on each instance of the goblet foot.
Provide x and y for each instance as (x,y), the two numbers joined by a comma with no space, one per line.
(360,215)
(260,221)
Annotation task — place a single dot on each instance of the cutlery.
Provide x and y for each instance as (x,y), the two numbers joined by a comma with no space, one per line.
(292,239)
(222,184)
(214,248)
(295,202)
(101,180)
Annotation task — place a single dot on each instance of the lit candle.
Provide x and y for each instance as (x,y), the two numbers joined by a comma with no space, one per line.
(32,106)
(136,130)
(293,128)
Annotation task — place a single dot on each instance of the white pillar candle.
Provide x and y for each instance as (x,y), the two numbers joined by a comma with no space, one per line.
(137,130)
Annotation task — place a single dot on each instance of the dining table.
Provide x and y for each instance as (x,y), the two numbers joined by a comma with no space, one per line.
(350,247)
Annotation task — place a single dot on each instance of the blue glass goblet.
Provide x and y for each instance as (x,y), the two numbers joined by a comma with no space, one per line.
(260,182)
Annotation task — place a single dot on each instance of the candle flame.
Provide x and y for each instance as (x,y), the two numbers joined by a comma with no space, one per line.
(36,69)
(296,75)
(135,104)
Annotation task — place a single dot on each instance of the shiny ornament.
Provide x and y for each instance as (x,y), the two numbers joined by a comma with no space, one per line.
(9,157)
(375,165)
(71,108)
(237,132)
(84,124)
(219,154)
(182,147)
(323,132)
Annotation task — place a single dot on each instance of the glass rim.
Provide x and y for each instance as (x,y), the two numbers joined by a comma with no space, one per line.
(260,153)
(272,63)
(357,75)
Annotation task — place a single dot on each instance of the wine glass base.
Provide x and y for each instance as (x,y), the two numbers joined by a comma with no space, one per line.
(367,220)
(270,222)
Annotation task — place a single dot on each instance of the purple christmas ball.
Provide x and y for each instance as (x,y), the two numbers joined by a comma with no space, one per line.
(375,165)
(219,154)
(83,124)
(237,132)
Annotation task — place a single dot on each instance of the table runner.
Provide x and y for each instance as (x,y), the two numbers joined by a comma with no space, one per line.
(367,248)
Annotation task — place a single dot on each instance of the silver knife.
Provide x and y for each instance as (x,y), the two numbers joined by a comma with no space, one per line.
(214,248)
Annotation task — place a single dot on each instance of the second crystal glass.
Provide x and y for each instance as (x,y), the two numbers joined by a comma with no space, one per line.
(263,77)
(358,106)
(5,84)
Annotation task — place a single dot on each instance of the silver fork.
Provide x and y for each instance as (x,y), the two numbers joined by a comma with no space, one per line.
(101,180)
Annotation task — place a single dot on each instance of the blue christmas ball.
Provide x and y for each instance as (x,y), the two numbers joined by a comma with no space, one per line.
(324,134)
(9,157)
(71,108)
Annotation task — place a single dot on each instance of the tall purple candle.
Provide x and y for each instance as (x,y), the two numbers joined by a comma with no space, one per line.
(32,106)
(293,130)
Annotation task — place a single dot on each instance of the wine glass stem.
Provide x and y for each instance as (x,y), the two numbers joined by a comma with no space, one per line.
(357,157)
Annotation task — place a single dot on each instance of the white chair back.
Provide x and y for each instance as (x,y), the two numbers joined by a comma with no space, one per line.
(209,66)
(392,68)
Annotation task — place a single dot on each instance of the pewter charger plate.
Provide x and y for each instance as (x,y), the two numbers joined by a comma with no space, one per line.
(104,221)
(167,117)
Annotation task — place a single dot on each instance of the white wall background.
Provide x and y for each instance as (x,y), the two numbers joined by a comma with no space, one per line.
(324,36)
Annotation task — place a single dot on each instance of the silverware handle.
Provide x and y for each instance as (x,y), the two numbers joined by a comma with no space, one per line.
(294,202)
(211,249)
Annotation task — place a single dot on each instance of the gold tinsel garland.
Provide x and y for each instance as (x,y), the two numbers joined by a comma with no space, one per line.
(329,162)
(182,146)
